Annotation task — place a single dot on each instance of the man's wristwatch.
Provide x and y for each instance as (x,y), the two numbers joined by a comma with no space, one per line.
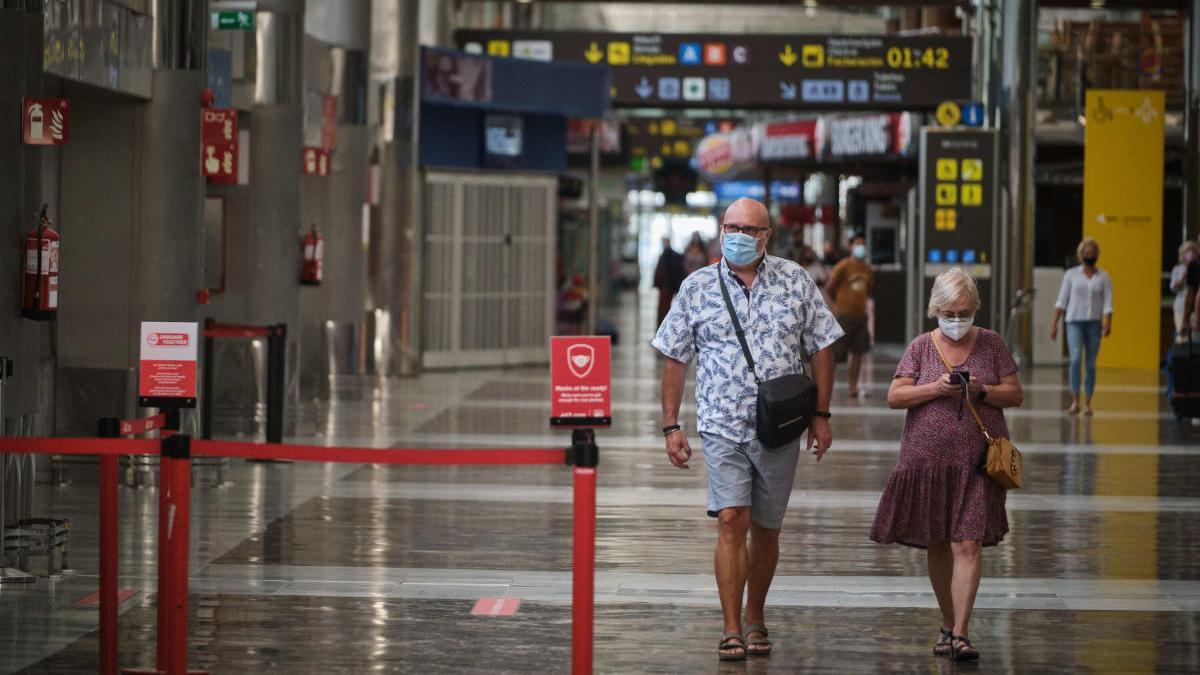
(822,413)
(668,430)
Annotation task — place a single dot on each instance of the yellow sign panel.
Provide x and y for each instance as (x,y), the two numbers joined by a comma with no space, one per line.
(972,194)
(1122,209)
(947,169)
(618,53)
(972,170)
(945,220)
(812,56)
(949,114)
(947,194)
(498,47)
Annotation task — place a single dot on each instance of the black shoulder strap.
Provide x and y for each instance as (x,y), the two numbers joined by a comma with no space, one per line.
(737,325)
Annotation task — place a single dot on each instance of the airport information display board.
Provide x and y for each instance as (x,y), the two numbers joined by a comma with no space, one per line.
(958,192)
(839,72)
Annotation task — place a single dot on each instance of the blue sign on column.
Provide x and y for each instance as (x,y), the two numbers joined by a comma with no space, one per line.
(972,115)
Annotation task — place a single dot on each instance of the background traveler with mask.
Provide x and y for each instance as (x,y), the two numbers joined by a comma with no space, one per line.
(1086,300)
(1189,261)
(937,498)
(849,289)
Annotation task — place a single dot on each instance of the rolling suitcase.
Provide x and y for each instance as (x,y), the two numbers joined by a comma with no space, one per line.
(1183,378)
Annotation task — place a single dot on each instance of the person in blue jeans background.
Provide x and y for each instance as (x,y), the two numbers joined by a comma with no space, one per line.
(1085,299)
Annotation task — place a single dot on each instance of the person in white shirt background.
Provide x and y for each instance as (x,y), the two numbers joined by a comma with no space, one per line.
(1085,299)
(1189,253)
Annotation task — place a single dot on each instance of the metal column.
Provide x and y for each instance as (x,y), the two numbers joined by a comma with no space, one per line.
(1018,49)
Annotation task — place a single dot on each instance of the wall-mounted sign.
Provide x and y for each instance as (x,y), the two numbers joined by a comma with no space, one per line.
(316,162)
(232,20)
(723,156)
(873,72)
(788,140)
(45,121)
(219,145)
(503,140)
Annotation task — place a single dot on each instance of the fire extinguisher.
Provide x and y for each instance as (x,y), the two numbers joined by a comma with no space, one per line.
(314,254)
(39,301)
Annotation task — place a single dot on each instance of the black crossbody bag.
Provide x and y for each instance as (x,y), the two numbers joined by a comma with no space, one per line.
(785,404)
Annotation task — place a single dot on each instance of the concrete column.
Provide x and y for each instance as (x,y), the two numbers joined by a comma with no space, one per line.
(1191,221)
(27,343)
(271,242)
(1018,49)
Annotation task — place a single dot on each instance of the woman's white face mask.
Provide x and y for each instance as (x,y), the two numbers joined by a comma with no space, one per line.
(955,329)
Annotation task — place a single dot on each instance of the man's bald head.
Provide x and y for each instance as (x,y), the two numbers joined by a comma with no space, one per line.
(746,211)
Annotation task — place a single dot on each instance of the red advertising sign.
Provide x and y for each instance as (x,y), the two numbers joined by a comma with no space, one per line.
(316,162)
(580,381)
(45,121)
(219,145)
(168,360)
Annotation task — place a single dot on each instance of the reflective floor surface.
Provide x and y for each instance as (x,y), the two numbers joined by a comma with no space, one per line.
(341,568)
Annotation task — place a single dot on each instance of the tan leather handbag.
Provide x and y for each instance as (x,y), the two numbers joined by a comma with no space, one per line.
(1003,462)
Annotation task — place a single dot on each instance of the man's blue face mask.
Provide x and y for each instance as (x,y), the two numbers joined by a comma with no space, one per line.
(739,249)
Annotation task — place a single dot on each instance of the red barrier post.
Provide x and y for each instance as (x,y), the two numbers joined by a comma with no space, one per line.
(165,479)
(178,515)
(585,456)
(109,515)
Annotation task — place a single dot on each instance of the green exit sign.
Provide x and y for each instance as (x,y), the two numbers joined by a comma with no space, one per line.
(233,20)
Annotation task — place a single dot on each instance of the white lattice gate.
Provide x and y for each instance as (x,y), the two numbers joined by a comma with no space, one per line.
(488,293)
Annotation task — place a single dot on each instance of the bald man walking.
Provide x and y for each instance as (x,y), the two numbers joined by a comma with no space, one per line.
(785,319)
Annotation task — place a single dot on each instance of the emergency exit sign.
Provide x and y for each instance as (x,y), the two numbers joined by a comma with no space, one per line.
(233,20)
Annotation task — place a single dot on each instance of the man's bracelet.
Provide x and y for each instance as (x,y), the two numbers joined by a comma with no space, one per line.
(667,431)
(822,413)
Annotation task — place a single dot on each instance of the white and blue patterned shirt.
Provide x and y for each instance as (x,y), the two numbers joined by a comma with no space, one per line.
(785,319)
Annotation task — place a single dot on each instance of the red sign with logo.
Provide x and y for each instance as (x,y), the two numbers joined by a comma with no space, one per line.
(45,121)
(580,381)
(219,145)
(316,162)
(168,360)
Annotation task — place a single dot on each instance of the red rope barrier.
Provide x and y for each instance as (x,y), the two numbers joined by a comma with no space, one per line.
(317,453)
(144,425)
(227,330)
(80,446)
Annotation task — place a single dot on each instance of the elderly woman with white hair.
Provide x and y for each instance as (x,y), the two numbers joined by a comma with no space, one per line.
(938,497)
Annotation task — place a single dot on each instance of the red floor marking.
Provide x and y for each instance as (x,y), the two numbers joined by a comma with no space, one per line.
(93,599)
(496,606)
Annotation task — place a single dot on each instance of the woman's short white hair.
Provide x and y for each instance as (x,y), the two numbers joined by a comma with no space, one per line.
(950,287)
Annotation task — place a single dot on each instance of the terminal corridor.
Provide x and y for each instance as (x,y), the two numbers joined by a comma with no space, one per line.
(359,568)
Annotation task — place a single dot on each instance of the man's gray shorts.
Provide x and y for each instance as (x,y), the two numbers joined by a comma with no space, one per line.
(746,474)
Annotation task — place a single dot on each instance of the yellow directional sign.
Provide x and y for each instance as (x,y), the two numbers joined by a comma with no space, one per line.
(946,220)
(594,53)
(972,169)
(788,57)
(618,53)
(813,56)
(947,169)
(498,48)
(949,114)
(947,194)
(972,195)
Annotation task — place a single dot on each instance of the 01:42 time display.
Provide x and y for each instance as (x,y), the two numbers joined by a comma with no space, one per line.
(908,57)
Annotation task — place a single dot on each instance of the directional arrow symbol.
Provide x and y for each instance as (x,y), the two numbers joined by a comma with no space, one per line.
(787,91)
(787,56)
(644,88)
(594,54)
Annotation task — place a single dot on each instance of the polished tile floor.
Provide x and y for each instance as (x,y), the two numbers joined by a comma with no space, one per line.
(340,568)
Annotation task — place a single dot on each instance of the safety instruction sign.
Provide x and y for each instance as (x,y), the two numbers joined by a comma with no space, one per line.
(219,145)
(580,381)
(861,72)
(45,121)
(168,360)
